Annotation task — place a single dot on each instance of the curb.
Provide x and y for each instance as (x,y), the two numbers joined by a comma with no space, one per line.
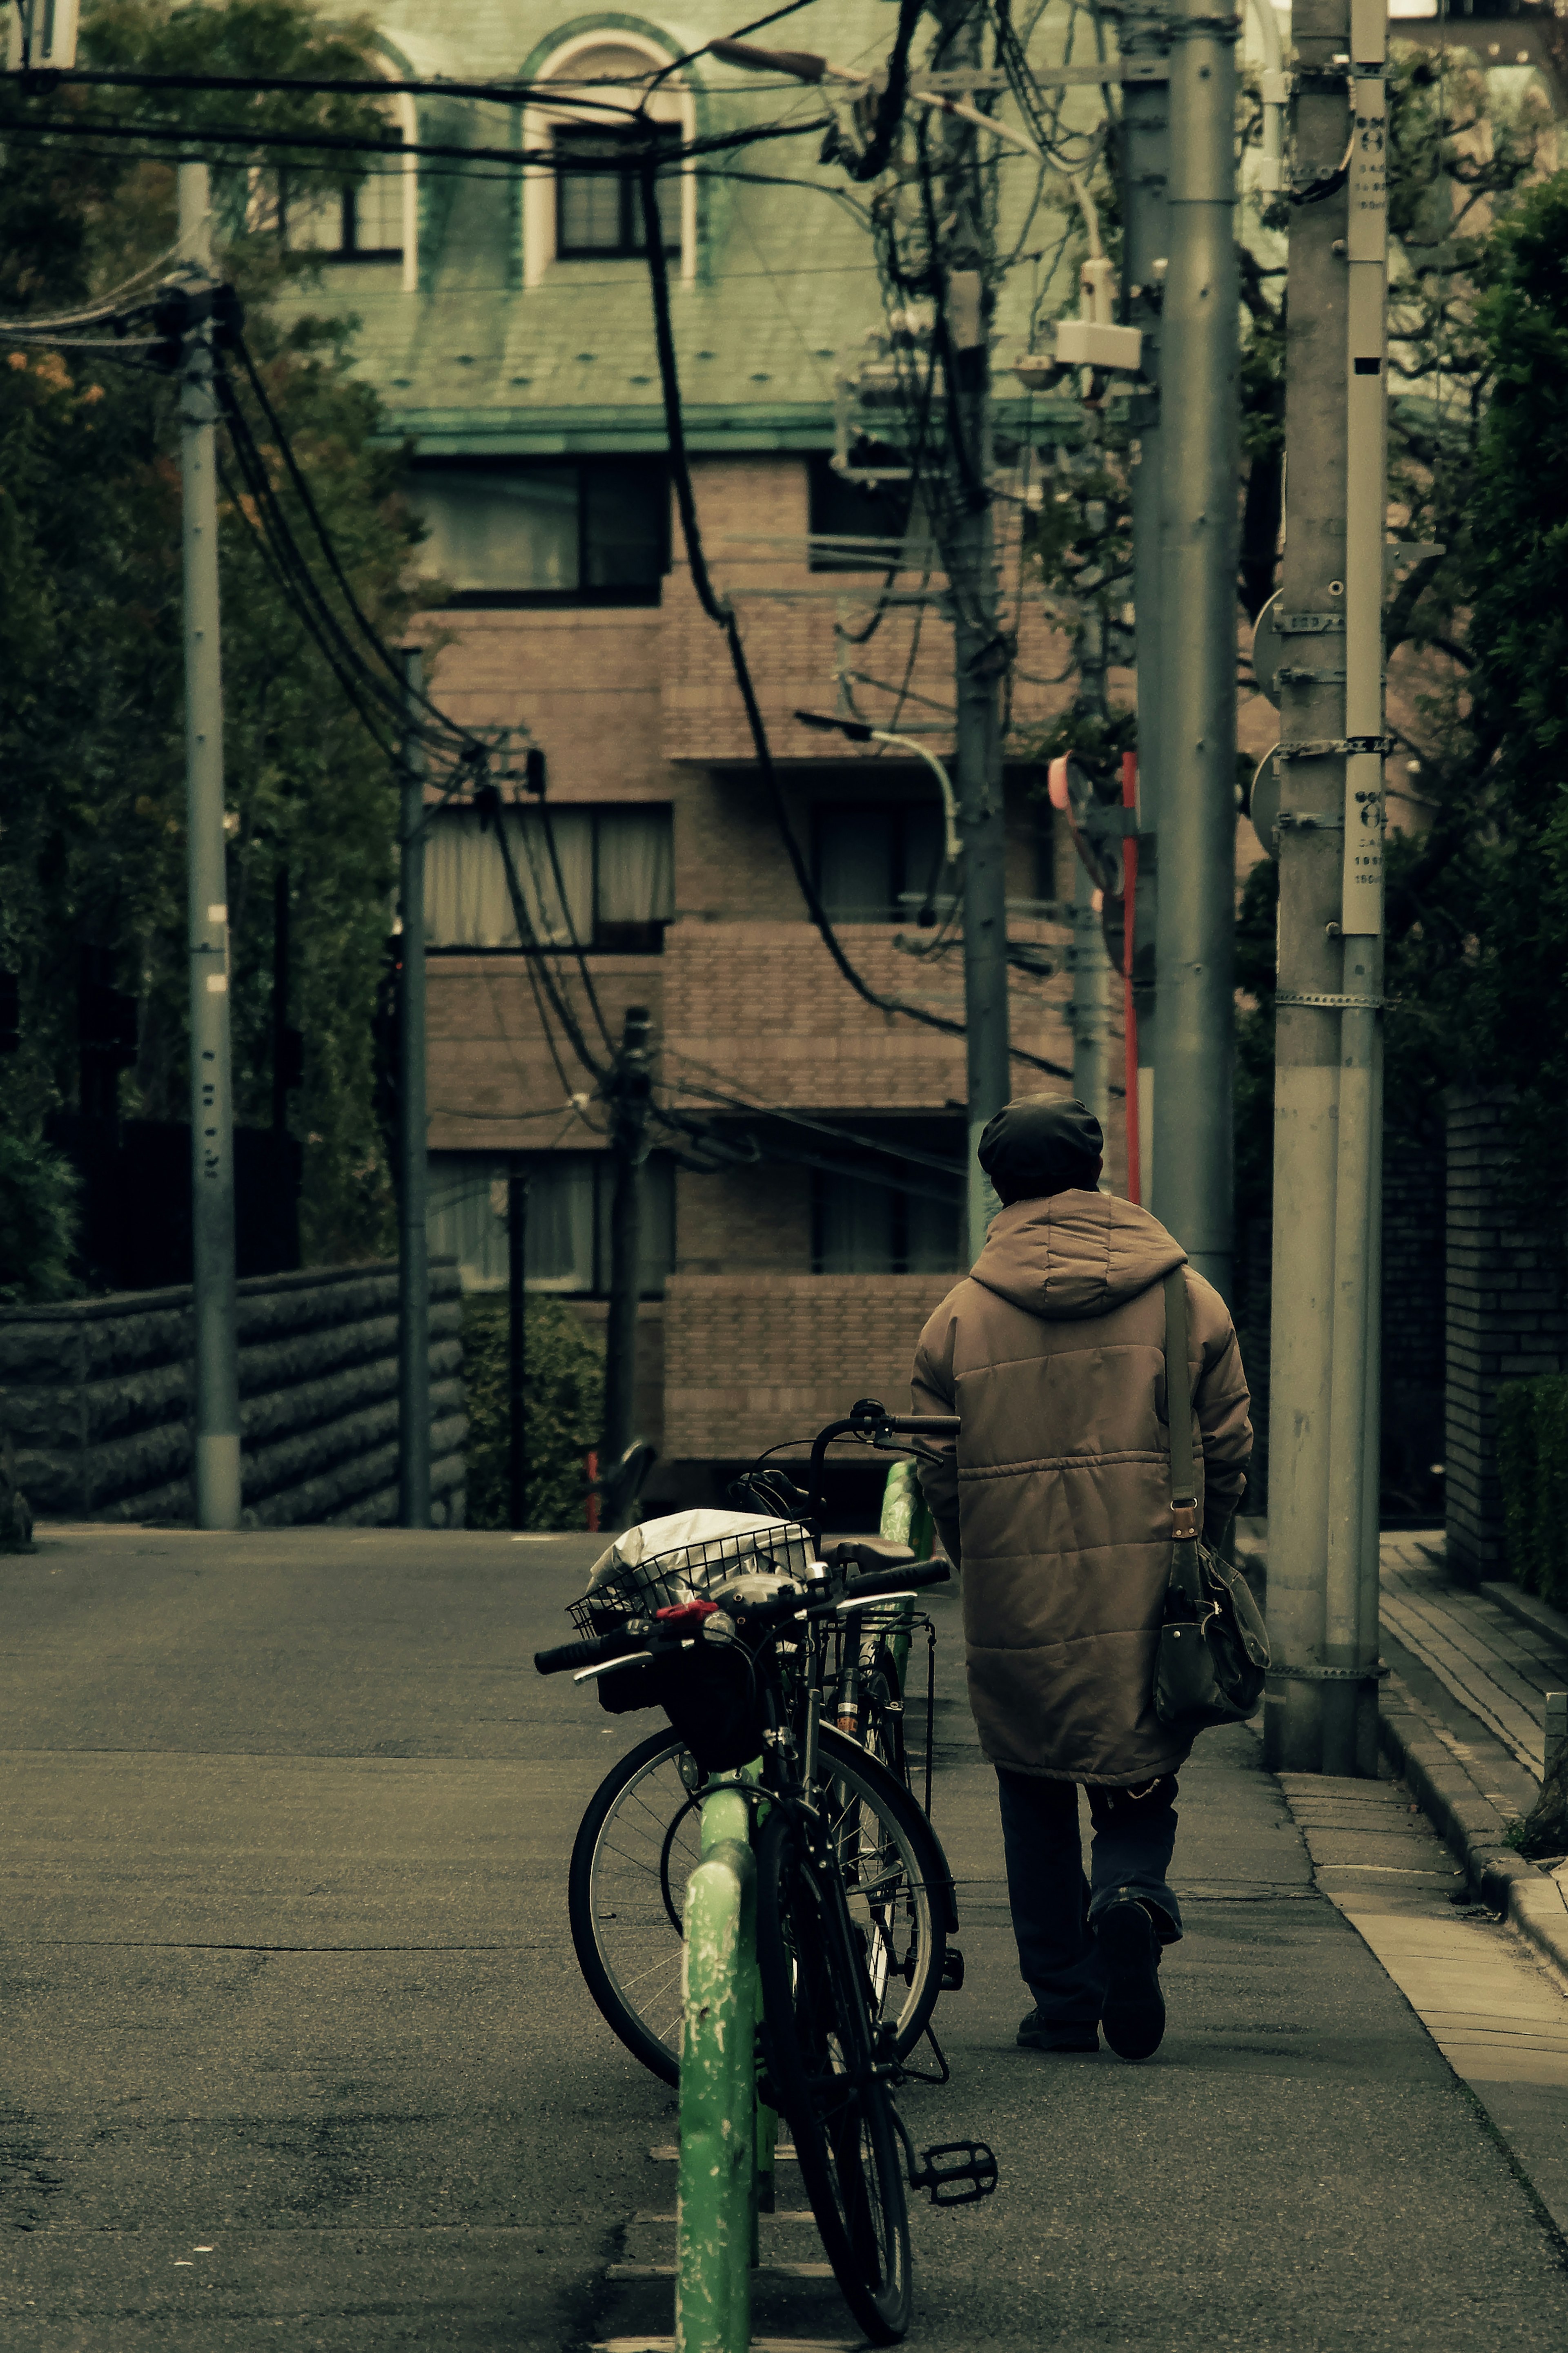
(1529,1899)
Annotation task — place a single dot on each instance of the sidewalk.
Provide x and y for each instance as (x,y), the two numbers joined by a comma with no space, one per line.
(1298,2168)
(1463,1718)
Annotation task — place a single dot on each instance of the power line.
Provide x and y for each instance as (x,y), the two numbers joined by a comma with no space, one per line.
(722,614)
(247,138)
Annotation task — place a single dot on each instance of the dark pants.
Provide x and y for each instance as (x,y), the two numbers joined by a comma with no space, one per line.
(1055,1906)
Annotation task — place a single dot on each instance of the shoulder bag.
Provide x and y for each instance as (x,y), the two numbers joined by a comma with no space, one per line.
(1214,1648)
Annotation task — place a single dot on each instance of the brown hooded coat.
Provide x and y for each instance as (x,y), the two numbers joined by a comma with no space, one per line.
(1056,1498)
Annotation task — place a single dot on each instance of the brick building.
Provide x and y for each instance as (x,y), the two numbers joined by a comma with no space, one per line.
(793,1252)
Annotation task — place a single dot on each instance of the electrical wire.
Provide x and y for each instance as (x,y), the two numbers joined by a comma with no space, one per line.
(293,563)
(389,660)
(251,140)
(722,614)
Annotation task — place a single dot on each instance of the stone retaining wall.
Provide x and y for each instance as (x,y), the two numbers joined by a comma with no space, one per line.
(96,1394)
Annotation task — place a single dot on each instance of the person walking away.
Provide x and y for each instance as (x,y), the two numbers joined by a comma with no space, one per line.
(1054,1502)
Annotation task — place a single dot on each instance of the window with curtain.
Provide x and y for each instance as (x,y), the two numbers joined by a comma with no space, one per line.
(363,223)
(595,530)
(867,1228)
(876,862)
(598,194)
(610,884)
(567,1243)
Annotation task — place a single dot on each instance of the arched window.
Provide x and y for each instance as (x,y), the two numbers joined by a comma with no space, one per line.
(587,206)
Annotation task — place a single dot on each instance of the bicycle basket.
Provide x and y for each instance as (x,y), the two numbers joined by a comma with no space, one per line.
(686,1556)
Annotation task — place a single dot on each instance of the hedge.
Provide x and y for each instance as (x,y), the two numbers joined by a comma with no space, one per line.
(564,1400)
(1532,1459)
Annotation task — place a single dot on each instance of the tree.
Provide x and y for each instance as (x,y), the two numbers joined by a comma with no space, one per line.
(92,750)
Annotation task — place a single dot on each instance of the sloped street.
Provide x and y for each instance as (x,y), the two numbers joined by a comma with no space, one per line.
(295,2050)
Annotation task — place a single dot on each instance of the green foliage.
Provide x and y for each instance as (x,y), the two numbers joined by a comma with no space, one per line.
(1476,942)
(1532,1461)
(91,720)
(565,1410)
(37,1220)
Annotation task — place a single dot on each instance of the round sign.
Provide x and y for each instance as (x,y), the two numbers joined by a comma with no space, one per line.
(1263,801)
(1269,652)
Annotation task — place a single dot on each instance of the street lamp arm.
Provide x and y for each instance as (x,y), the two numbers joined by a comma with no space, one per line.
(944,785)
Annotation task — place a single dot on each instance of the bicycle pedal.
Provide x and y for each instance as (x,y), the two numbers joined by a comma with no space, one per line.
(956,2172)
(953,1971)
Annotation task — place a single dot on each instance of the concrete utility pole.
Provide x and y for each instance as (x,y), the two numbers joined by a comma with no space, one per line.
(1090,998)
(1195,934)
(413,1148)
(1324,1411)
(1145,259)
(216,1368)
(969,553)
(632,1085)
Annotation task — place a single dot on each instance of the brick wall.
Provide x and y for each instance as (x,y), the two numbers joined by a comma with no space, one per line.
(758,1217)
(742,502)
(764,1002)
(753,1360)
(1506,1319)
(488,1064)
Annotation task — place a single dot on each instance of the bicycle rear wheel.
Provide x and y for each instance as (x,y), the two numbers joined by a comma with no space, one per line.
(640,1841)
(817,2040)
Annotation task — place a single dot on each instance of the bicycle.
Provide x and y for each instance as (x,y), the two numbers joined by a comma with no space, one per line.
(638,1840)
(828,2062)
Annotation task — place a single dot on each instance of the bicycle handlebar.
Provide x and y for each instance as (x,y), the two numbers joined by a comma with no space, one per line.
(870,1420)
(897,1580)
(567,1655)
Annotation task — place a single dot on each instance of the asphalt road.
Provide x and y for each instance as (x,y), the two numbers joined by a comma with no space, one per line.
(294,2049)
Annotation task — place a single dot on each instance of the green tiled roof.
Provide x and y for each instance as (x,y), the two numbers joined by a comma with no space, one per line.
(785,294)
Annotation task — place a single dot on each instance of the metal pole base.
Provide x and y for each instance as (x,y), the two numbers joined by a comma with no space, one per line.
(218,1481)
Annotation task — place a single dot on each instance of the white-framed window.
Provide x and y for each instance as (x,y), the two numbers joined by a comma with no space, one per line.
(566,1246)
(377,219)
(576,209)
(602,878)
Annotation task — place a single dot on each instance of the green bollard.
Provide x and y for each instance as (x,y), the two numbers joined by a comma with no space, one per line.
(716,2196)
(906,1520)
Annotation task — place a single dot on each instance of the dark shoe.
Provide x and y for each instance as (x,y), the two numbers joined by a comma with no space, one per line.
(1076,2037)
(1134,2013)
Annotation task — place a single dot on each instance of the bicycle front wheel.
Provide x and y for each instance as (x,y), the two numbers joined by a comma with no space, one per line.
(640,1841)
(822,2062)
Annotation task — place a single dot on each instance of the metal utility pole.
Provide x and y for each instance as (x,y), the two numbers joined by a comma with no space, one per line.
(216,1368)
(1090,998)
(413,1160)
(979,656)
(1195,919)
(1145,157)
(632,1083)
(1322,1713)
(517,1346)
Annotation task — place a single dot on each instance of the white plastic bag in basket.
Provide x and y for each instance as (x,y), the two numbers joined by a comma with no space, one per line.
(780,1544)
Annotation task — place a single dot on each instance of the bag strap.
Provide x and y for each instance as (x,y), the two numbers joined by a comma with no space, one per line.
(1179,1413)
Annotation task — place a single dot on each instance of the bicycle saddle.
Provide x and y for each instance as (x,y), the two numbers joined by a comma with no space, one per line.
(868,1553)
